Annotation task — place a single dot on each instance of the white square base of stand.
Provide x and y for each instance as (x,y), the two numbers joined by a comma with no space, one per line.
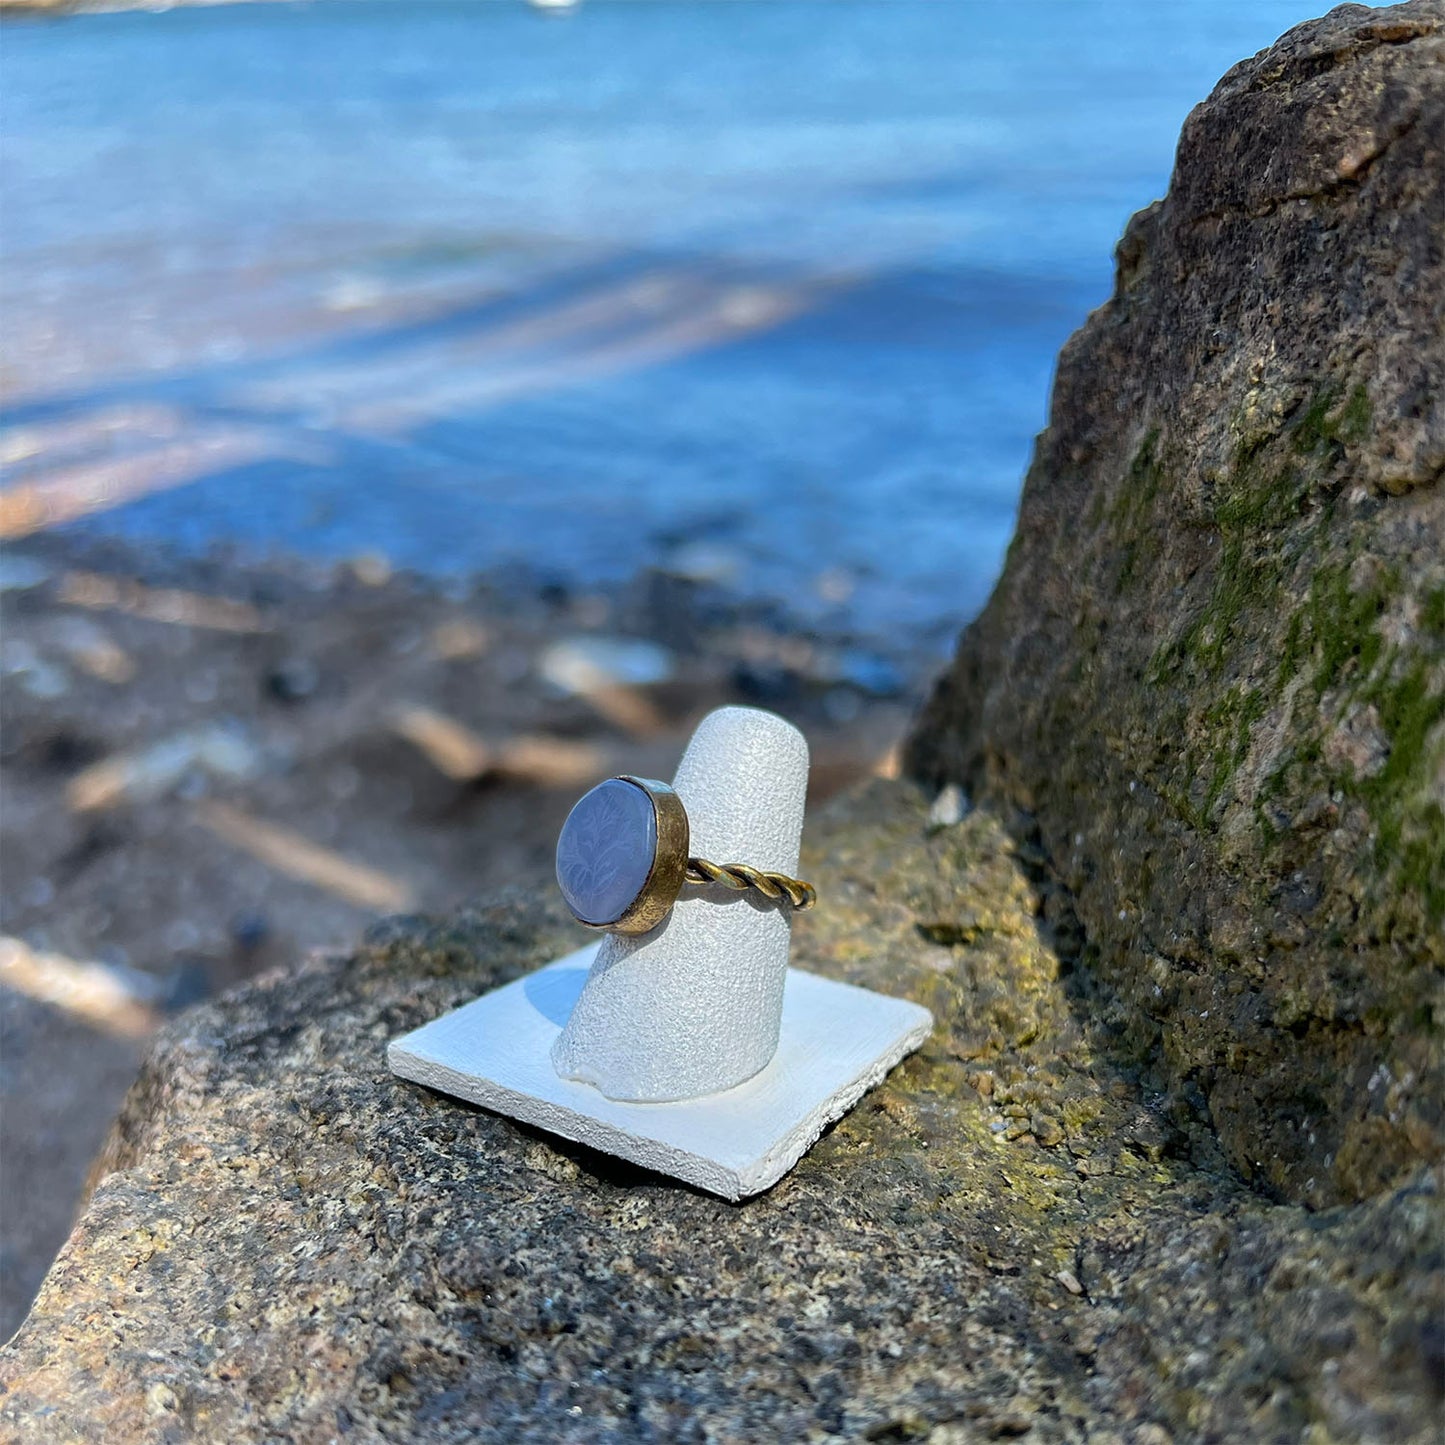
(837,1043)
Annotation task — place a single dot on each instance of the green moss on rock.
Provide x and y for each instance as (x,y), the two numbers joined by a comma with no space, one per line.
(1212,676)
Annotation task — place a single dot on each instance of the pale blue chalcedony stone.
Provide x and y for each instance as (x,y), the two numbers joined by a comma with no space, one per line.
(605,851)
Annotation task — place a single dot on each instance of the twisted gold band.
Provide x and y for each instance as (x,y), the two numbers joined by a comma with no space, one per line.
(739,877)
(605,842)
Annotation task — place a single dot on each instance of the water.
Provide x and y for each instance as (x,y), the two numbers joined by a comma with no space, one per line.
(770,291)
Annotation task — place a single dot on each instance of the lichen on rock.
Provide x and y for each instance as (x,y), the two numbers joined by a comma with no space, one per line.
(1010,1238)
(1212,676)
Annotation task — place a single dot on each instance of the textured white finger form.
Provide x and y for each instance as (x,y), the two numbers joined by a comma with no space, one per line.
(694,1007)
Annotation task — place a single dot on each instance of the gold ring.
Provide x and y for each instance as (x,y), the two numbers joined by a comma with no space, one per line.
(622,859)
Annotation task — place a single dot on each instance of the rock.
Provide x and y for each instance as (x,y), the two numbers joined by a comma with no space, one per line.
(608,672)
(294,679)
(220,749)
(871,674)
(1016,1235)
(573,664)
(91,649)
(716,563)
(948,808)
(1211,682)
(19,573)
(286,1242)
(40,679)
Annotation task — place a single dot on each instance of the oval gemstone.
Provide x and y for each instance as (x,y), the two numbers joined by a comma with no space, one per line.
(606,850)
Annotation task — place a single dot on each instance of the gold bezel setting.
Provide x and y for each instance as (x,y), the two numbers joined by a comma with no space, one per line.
(669,861)
(663,882)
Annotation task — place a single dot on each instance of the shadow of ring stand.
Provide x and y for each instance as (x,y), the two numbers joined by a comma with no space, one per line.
(692,1050)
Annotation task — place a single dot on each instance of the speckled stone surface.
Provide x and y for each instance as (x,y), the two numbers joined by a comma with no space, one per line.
(1006,1240)
(605,851)
(1211,681)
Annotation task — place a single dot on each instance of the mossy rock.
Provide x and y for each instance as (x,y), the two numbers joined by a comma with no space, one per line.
(1212,678)
(1011,1238)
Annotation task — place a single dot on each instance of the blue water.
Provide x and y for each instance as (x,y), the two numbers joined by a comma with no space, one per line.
(768,290)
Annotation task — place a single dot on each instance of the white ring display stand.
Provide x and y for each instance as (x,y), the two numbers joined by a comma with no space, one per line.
(694,1049)
(694,1007)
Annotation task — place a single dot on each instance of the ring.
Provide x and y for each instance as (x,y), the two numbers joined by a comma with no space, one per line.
(622,859)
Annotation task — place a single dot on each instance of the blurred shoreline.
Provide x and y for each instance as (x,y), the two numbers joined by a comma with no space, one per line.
(459,284)
(42,9)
